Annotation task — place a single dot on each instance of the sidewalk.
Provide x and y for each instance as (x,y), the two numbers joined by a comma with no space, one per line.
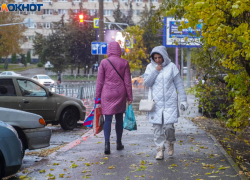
(197,156)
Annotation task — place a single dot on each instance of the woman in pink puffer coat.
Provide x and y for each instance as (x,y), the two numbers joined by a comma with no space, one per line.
(114,91)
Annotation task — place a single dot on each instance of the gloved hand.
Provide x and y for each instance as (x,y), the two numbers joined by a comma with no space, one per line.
(184,105)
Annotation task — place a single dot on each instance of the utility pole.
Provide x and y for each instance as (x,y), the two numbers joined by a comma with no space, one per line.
(101,27)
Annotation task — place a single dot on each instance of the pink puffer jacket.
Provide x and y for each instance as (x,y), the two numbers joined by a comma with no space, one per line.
(109,86)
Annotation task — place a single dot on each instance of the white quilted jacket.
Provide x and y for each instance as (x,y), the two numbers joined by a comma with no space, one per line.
(164,90)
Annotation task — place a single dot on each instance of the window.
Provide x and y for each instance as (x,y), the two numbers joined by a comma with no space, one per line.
(107,0)
(123,0)
(7,87)
(32,52)
(76,10)
(92,12)
(4,73)
(32,0)
(31,38)
(47,11)
(154,1)
(47,0)
(138,1)
(18,1)
(137,12)
(108,12)
(76,0)
(47,25)
(92,0)
(31,12)
(62,0)
(62,11)
(29,88)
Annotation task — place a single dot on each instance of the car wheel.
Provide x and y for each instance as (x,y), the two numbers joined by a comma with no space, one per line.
(69,118)
(22,137)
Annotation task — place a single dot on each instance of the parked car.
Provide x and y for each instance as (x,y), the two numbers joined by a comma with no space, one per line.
(138,80)
(9,73)
(10,150)
(43,79)
(48,65)
(23,93)
(30,128)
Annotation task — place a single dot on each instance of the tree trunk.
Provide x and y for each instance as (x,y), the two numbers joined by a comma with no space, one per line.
(72,70)
(6,63)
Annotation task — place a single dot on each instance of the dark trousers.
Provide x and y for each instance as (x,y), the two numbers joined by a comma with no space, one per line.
(118,126)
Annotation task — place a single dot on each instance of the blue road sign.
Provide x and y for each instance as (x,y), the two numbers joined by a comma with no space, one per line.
(99,48)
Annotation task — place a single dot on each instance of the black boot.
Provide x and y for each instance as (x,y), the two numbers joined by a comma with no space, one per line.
(119,145)
(107,148)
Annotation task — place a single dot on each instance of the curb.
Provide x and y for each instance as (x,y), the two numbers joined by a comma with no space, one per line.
(230,160)
(63,149)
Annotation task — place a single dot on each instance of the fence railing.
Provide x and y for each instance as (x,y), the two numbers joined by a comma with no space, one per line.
(83,90)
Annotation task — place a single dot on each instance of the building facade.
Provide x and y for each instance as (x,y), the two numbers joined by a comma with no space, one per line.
(52,10)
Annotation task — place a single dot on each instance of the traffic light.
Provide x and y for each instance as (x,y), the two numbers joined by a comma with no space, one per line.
(127,50)
(81,17)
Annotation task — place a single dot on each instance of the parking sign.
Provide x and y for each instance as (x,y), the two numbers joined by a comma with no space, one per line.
(96,22)
(99,48)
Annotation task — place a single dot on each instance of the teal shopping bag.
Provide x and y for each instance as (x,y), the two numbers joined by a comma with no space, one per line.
(129,122)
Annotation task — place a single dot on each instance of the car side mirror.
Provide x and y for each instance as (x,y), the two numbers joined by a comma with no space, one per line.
(50,93)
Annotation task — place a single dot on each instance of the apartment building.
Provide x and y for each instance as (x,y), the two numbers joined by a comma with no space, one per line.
(52,11)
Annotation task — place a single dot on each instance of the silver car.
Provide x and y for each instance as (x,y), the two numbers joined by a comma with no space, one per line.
(30,128)
(9,73)
(10,150)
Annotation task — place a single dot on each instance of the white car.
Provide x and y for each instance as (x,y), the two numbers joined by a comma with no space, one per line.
(9,73)
(43,79)
(48,65)
(30,128)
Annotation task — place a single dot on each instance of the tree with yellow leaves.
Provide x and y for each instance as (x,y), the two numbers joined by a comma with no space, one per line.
(10,35)
(138,52)
(226,27)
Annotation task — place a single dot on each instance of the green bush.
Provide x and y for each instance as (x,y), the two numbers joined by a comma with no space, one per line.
(39,64)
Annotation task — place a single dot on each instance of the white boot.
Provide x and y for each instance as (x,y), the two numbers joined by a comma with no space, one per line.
(160,153)
(170,148)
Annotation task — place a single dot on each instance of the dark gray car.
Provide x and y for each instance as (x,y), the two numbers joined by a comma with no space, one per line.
(26,94)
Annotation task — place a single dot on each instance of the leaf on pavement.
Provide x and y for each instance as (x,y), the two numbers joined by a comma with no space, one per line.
(173,165)
(87,164)
(105,158)
(42,171)
(222,168)
(111,167)
(73,165)
(85,177)
(61,175)
(55,164)
(22,177)
(101,162)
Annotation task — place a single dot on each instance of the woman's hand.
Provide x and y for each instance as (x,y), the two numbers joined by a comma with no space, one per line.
(159,68)
(129,102)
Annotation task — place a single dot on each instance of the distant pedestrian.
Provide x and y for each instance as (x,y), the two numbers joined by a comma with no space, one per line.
(59,80)
(114,88)
(163,78)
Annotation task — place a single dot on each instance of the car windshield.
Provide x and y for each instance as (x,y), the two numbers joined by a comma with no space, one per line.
(43,77)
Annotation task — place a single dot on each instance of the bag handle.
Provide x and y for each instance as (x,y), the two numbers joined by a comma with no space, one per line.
(151,93)
(115,69)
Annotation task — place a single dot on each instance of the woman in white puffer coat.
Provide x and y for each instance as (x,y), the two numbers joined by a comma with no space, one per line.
(163,78)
